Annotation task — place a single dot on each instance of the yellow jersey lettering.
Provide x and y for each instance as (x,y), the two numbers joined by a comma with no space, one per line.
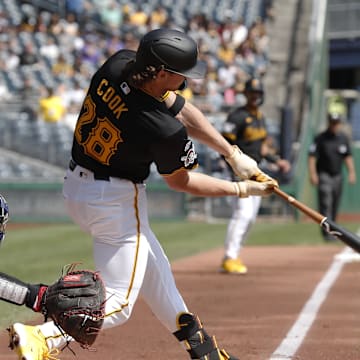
(103,83)
(117,112)
(109,93)
(114,102)
(111,98)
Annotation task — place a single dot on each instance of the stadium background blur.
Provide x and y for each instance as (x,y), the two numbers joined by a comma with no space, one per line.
(306,52)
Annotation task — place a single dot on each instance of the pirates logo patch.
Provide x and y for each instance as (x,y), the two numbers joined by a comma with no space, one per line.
(190,156)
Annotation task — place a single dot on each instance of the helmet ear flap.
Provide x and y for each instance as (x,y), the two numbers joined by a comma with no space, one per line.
(4,217)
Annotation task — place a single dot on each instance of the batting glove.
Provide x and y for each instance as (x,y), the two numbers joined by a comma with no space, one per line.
(243,165)
(249,187)
(246,167)
(262,177)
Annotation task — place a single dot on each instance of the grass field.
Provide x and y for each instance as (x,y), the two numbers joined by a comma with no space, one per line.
(38,253)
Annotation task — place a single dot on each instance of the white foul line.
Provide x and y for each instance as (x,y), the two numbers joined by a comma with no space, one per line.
(297,333)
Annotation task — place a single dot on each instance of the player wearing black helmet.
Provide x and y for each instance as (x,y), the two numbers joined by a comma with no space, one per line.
(131,118)
(245,127)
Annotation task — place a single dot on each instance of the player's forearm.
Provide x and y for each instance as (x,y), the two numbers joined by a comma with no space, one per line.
(199,184)
(312,165)
(349,162)
(199,128)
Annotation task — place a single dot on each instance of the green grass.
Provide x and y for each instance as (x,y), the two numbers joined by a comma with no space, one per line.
(37,254)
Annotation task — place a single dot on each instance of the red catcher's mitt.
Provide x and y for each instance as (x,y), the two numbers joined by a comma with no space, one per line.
(76,304)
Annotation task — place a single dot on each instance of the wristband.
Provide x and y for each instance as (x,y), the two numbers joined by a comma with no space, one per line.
(177,105)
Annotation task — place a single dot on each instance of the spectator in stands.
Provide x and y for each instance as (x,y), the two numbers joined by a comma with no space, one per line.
(139,18)
(55,26)
(239,33)
(75,7)
(111,16)
(29,96)
(73,94)
(113,44)
(227,75)
(69,25)
(62,67)
(41,25)
(226,52)
(73,97)
(50,50)
(158,17)
(9,60)
(327,154)
(91,53)
(70,34)
(51,106)
(4,22)
(29,56)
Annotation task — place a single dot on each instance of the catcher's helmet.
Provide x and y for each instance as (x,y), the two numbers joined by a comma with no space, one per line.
(4,216)
(173,49)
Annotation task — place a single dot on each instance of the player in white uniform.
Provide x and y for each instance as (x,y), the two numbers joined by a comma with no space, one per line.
(131,117)
(246,127)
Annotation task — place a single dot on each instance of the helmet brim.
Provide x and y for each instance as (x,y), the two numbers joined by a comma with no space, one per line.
(196,72)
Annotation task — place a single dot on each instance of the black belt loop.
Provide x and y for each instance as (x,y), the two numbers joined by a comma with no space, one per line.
(72,167)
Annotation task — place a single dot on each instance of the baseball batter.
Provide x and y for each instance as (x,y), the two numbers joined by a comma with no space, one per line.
(132,117)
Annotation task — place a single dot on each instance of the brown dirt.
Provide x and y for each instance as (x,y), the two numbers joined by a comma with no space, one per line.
(250,315)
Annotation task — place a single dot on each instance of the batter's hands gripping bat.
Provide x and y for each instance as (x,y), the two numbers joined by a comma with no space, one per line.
(331,227)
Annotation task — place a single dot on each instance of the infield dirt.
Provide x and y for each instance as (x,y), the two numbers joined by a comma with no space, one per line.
(250,315)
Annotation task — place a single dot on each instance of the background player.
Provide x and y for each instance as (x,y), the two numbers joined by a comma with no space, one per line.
(131,117)
(327,154)
(245,127)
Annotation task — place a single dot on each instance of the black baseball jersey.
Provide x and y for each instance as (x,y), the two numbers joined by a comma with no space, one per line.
(121,130)
(330,150)
(246,130)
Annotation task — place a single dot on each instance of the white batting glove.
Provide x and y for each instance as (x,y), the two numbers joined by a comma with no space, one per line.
(246,168)
(243,165)
(249,187)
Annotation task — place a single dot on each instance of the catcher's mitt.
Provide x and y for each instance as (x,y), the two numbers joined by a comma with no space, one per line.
(76,304)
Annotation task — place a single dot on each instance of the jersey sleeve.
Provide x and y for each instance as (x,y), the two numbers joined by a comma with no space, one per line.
(313,148)
(348,151)
(232,127)
(174,153)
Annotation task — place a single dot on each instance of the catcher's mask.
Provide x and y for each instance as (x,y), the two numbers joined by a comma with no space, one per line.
(172,49)
(4,217)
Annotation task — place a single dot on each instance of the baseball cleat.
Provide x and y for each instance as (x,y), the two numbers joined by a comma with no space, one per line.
(233,266)
(29,343)
(225,356)
(199,344)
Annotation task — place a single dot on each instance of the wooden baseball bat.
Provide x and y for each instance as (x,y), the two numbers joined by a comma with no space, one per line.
(329,226)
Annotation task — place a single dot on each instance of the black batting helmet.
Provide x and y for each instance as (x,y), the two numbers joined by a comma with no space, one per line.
(174,50)
(254,89)
(254,85)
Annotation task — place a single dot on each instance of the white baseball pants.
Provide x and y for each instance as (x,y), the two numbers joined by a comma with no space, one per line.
(244,214)
(127,254)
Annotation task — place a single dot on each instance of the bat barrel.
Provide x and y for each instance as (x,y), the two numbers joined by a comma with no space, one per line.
(329,226)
